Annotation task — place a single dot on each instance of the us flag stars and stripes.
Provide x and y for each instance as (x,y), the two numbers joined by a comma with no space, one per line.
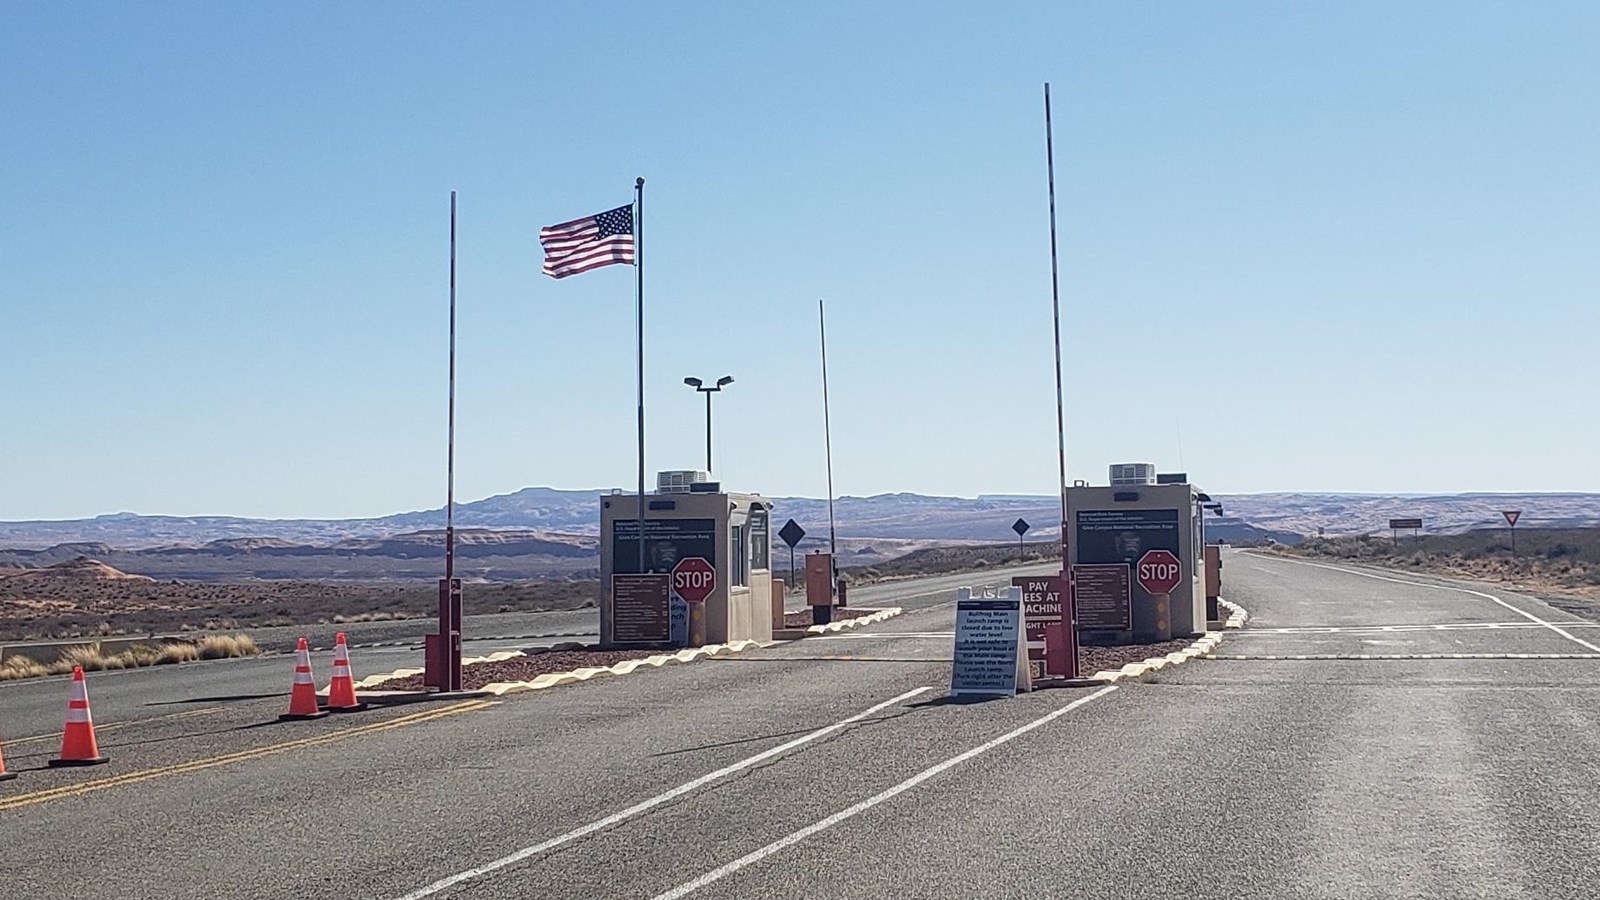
(603,239)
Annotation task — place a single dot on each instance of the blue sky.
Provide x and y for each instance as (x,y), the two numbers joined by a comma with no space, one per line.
(1305,246)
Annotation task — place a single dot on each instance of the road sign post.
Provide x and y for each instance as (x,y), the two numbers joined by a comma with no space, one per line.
(1512,515)
(1398,525)
(792,534)
(1020,526)
(1158,572)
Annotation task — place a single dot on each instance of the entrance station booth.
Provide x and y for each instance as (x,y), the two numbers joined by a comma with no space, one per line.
(688,517)
(1111,528)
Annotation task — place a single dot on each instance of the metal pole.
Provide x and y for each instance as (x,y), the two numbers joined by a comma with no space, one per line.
(708,432)
(442,667)
(1055,303)
(827,434)
(638,310)
(450,464)
(1069,604)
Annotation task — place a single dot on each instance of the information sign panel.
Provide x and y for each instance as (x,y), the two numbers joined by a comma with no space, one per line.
(640,609)
(1103,593)
(990,658)
(1043,616)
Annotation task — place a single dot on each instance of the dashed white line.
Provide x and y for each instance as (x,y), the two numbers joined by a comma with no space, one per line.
(724,871)
(1442,587)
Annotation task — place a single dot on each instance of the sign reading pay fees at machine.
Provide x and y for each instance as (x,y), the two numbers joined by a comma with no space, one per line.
(991,656)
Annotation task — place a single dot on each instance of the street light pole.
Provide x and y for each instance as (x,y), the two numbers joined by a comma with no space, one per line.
(701,386)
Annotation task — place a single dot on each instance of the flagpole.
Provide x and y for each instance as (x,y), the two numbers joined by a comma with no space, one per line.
(1069,605)
(1055,302)
(638,295)
(827,431)
(450,453)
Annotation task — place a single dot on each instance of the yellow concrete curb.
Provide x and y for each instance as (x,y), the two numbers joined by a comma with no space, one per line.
(1205,644)
(1237,614)
(551,679)
(373,680)
(627,666)
(887,612)
(501,688)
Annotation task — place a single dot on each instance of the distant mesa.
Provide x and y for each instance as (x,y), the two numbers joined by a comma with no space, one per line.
(80,569)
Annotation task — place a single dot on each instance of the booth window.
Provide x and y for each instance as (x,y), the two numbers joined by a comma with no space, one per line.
(739,565)
(760,540)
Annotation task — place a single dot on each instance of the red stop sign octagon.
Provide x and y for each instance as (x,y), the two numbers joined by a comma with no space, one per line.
(1158,572)
(694,579)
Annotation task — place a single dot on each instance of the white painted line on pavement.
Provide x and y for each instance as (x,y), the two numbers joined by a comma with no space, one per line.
(646,805)
(875,635)
(1311,630)
(1523,613)
(721,872)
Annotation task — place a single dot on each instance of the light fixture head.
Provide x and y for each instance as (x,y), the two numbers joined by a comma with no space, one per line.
(693,382)
(724,380)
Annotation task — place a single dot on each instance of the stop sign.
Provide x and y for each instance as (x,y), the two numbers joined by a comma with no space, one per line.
(694,579)
(1157,572)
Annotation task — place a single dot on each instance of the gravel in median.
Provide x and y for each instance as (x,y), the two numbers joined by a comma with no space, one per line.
(802,619)
(524,668)
(1097,659)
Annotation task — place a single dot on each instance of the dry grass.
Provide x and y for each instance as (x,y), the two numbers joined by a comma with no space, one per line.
(21,667)
(1561,558)
(94,658)
(225,646)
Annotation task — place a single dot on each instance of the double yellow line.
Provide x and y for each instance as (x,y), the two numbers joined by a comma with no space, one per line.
(112,726)
(87,787)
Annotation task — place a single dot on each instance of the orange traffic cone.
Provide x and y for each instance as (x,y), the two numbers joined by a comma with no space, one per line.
(4,775)
(342,692)
(303,697)
(78,746)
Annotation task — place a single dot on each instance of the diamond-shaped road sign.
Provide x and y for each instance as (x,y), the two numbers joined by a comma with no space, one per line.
(1021,527)
(792,533)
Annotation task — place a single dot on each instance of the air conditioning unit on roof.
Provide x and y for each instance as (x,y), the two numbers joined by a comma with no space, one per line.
(1127,474)
(680,481)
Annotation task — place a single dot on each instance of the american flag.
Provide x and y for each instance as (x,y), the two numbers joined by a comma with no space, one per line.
(588,243)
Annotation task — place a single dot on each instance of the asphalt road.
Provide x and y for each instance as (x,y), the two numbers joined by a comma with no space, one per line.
(832,768)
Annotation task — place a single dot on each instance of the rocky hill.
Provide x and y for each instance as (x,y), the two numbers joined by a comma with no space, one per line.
(538,532)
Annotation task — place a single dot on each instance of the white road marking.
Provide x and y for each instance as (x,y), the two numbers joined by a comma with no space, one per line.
(1523,613)
(647,805)
(724,871)
(1370,629)
(872,636)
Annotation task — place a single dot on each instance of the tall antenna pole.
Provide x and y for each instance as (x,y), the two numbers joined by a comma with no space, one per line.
(1055,303)
(1069,600)
(827,432)
(638,310)
(450,464)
